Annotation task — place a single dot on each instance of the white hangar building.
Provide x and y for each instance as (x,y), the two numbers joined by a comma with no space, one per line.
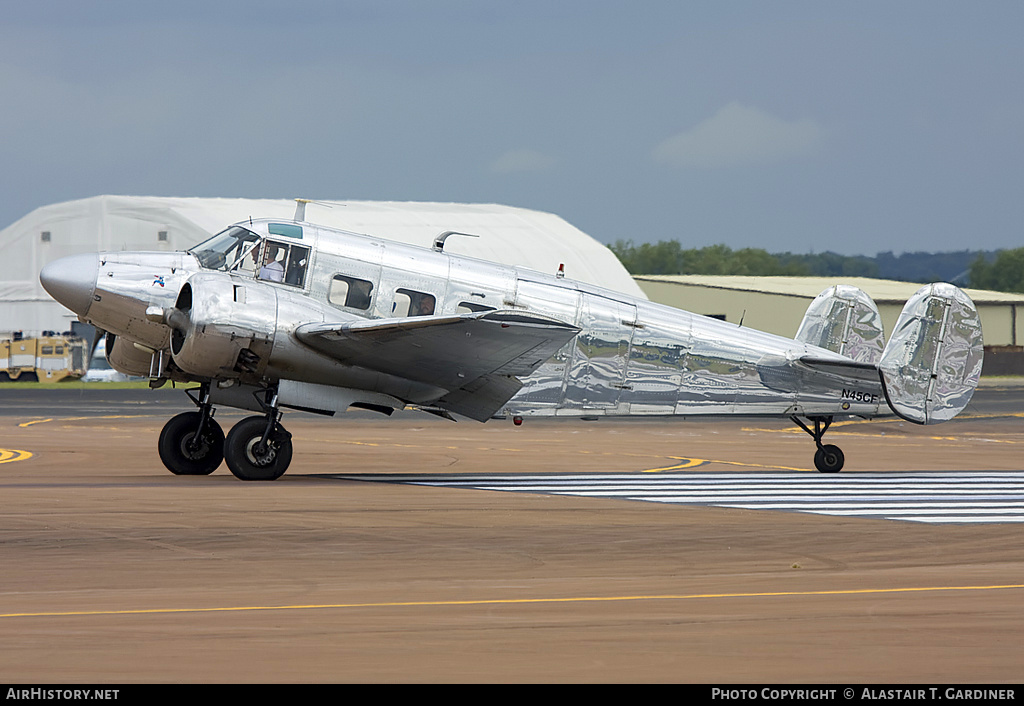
(513,236)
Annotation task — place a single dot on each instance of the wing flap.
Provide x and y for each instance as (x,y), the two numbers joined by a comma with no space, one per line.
(481,398)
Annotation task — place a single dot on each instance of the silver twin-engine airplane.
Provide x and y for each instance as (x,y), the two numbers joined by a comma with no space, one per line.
(273,314)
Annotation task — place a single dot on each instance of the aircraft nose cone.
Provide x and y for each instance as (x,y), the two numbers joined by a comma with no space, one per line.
(72,280)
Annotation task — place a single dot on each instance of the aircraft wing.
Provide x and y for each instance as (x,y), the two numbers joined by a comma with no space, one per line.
(474,356)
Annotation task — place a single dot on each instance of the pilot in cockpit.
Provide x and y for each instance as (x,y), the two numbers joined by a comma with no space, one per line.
(272,270)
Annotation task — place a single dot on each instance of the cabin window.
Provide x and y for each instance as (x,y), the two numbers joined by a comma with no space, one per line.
(411,303)
(227,249)
(288,230)
(351,292)
(283,262)
(471,307)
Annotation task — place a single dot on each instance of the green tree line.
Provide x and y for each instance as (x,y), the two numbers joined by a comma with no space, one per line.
(1004,273)
(997,270)
(669,258)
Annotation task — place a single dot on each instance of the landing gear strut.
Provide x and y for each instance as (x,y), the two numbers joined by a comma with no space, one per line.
(829,457)
(192,443)
(259,448)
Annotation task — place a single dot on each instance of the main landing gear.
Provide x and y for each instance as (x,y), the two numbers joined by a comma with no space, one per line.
(192,443)
(256,448)
(829,457)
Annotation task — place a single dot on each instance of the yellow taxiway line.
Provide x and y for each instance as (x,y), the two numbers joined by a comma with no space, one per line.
(78,419)
(690,463)
(515,601)
(11,455)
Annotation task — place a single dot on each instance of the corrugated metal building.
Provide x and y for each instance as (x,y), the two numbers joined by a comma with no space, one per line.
(777,305)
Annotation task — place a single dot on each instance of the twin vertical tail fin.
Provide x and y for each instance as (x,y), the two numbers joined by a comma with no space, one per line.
(844,320)
(932,364)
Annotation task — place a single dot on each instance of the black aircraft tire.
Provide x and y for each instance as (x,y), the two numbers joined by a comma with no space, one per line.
(242,455)
(184,461)
(829,459)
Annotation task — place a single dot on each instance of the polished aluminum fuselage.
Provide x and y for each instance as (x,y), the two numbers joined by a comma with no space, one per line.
(631,356)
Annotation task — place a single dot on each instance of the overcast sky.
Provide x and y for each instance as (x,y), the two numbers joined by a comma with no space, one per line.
(856,127)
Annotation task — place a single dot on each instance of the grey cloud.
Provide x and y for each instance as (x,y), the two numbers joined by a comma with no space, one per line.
(738,135)
(522,160)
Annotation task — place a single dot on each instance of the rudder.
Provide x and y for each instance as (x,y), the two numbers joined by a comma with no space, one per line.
(844,320)
(932,363)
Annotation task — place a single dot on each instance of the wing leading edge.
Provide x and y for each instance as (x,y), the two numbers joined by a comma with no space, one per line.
(476,357)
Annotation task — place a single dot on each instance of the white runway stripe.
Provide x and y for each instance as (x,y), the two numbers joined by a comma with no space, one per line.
(915,497)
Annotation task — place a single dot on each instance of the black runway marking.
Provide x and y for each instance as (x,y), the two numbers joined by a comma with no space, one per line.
(943,498)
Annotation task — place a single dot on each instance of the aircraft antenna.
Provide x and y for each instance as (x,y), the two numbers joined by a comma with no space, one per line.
(300,208)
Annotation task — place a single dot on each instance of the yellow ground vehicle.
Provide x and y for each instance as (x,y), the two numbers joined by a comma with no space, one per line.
(49,358)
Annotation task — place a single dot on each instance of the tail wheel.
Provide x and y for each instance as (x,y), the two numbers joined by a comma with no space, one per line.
(186,455)
(249,458)
(829,459)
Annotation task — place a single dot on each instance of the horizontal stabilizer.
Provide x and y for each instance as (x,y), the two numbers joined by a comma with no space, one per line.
(844,320)
(932,363)
(820,374)
(848,369)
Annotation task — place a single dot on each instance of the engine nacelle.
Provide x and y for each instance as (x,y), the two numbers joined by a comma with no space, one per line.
(125,357)
(223,327)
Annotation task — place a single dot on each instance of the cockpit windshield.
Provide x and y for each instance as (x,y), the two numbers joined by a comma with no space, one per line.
(226,249)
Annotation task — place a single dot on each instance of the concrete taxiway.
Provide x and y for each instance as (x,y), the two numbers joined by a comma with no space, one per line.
(117,571)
